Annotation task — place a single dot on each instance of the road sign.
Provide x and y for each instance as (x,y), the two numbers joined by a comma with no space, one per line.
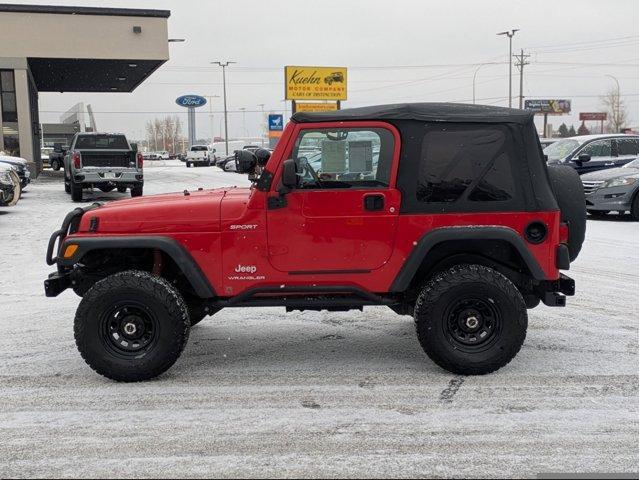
(275,123)
(315,83)
(548,107)
(315,107)
(191,101)
(598,116)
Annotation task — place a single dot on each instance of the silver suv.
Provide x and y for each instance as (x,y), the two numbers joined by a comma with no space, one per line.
(105,161)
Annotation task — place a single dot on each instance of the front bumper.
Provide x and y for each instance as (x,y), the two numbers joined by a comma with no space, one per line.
(611,199)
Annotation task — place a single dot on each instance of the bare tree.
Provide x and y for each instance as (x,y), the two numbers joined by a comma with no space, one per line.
(151,135)
(615,107)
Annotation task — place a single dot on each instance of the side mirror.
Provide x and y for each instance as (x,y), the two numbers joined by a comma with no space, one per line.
(584,157)
(289,174)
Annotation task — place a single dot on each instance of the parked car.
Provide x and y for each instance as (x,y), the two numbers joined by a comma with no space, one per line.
(150,155)
(10,189)
(589,153)
(613,190)
(200,155)
(21,168)
(465,233)
(56,157)
(222,161)
(105,161)
(546,142)
(163,155)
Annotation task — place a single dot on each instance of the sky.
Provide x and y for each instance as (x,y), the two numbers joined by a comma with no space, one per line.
(396,51)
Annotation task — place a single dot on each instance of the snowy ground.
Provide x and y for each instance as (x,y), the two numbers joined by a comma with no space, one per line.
(259,393)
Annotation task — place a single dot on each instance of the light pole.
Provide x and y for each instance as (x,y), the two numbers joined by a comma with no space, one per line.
(618,106)
(261,105)
(510,34)
(244,130)
(226,119)
(211,97)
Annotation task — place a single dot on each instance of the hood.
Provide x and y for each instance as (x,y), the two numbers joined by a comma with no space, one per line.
(13,160)
(197,211)
(601,175)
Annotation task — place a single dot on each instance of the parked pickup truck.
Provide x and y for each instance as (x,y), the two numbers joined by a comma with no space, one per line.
(105,161)
(200,155)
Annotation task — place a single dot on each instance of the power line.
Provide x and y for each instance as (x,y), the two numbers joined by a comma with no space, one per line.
(521,63)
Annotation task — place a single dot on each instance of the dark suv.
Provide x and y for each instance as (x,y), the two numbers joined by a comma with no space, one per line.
(445,212)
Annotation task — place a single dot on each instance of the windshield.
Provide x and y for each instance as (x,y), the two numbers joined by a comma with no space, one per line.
(198,149)
(633,164)
(560,149)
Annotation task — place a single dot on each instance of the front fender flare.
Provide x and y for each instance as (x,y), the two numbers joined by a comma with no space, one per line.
(169,246)
(429,240)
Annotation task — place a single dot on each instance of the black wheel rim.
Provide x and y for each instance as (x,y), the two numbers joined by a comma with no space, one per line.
(129,329)
(472,323)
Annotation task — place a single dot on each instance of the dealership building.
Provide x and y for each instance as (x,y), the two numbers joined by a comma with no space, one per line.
(70,49)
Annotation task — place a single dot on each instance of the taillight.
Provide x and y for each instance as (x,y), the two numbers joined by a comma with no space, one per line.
(140,160)
(564,233)
(76,159)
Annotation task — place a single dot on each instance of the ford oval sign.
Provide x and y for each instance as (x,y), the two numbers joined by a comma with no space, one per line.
(191,101)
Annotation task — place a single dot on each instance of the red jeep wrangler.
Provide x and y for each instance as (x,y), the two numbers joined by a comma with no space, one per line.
(446,212)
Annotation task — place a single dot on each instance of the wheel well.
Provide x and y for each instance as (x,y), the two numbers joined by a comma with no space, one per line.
(500,255)
(100,263)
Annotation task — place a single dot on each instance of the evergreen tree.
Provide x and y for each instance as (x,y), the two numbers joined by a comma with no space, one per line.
(583,130)
(563,130)
(571,131)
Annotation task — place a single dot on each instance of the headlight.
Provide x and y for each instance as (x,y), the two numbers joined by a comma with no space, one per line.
(619,182)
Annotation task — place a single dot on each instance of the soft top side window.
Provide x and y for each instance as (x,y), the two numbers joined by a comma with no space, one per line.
(331,158)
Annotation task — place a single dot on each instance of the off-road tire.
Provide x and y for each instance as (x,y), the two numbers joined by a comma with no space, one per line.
(121,189)
(137,191)
(76,191)
(159,299)
(441,295)
(634,210)
(569,192)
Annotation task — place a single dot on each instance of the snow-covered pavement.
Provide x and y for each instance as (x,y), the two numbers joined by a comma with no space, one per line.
(260,393)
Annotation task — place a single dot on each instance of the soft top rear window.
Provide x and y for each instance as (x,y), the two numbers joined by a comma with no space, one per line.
(102,142)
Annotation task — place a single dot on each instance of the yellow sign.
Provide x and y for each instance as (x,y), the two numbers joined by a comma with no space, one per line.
(315,107)
(315,83)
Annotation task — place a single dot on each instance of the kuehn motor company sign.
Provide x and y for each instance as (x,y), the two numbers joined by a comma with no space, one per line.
(315,83)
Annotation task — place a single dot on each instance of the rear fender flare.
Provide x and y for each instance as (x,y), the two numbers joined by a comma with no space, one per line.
(405,276)
(170,247)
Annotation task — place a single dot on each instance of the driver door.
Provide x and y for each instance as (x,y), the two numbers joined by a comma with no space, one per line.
(342,216)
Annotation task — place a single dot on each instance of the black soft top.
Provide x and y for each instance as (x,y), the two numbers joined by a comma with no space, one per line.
(425,112)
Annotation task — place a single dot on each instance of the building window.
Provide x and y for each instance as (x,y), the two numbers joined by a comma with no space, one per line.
(9,108)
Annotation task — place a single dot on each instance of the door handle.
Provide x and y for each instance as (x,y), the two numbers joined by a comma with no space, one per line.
(374,203)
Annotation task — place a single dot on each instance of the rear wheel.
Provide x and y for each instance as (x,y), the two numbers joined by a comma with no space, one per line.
(67,183)
(76,191)
(131,326)
(55,165)
(137,190)
(471,320)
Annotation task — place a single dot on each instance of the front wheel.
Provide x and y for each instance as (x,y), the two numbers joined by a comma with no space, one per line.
(188,164)
(131,326)
(471,320)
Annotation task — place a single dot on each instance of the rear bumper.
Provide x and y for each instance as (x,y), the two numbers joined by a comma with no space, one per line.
(96,178)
